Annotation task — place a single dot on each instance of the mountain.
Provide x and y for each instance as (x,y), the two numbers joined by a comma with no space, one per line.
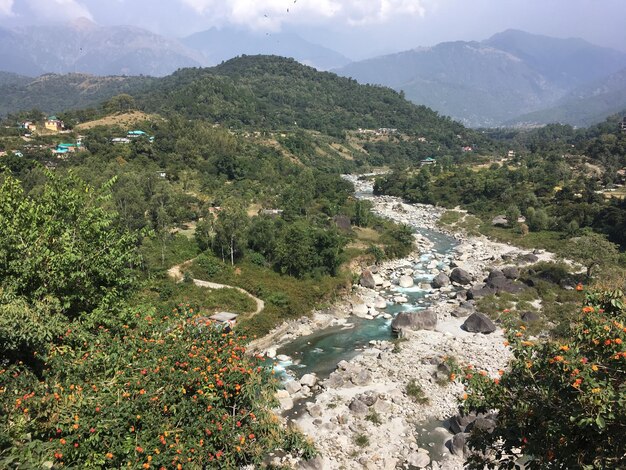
(585,105)
(83,46)
(219,45)
(491,82)
(277,93)
(52,93)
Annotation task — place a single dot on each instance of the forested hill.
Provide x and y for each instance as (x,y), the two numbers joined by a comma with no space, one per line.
(275,92)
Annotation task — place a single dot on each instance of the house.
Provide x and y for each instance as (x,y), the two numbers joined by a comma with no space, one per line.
(511,154)
(422,139)
(54,124)
(271,212)
(135,134)
(467,148)
(120,140)
(225,320)
(387,131)
(622,124)
(428,161)
(161,174)
(28,125)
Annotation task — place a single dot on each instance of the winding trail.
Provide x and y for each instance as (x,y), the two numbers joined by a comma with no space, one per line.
(176,273)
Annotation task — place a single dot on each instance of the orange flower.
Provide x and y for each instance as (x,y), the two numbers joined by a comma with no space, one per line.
(579,287)
(109,455)
(607,342)
(587,309)
(501,372)
(62,441)
(465,396)
(617,341)
(564,348)
(452,376)
(577,383)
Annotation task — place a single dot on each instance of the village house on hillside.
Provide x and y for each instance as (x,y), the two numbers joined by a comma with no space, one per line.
(54,124)
(623,124)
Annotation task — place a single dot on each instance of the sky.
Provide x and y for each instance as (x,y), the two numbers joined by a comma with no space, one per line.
(356,28)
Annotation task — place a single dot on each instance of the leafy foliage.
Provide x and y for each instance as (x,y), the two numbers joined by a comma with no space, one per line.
(562,403)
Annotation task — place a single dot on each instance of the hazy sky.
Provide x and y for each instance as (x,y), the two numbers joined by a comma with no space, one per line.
(357,28)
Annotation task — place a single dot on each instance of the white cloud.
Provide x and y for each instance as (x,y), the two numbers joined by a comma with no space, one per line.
(57,10)
(6,7)
(270,14)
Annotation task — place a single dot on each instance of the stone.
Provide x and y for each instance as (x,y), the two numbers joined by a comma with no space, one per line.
(479,323)
(482,424)
(335,380)
(360,310)
(499,221)
(314,410)
(529,317)
(316,463)
(529,258)
(420,320)
(511,272)
(458,444)
(358,407)
(476,292)
(406,281)
(459,423)
(440,280)
(460,276)
(285,403)
(378,280)
(380,303)
(382,406)
(418,460)
(282,394)
(367,279)
(293,386)
(363,377)
(369,398)
(309,380)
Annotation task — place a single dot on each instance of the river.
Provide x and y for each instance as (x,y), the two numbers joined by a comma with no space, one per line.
(321,351)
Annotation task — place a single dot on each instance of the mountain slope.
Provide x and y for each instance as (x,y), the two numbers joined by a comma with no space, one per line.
(274,92)
(488,83)
(586,105)
(565,62)
(82,46)
(219,45)
(53,93)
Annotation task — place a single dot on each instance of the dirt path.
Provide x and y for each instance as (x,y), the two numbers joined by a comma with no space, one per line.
(176,273)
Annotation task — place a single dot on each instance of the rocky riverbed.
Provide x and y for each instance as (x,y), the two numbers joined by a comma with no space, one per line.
(363,415)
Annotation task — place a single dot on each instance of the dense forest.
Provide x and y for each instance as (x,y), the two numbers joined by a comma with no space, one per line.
(233,175)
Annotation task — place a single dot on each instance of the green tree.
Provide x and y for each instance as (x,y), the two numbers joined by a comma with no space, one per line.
(230,231)
(61,244)
(295,254)
(592,250)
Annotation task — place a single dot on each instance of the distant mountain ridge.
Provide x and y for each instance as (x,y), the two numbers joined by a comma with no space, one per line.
(82,46)
(492,82)
(219,45)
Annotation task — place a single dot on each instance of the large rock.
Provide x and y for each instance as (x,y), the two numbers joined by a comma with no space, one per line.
(460,276)
(308,380)
(477,292)
(367,279)
(479,323)
(360,310)
(406,281)
(358,407)
(529,317)
(285,403)
(361,377)
(500,283)
(316,463)
(418,460)
(500,221)
(293,386)
(420,320)
(511,272)
(440,280)
(482,424)
(380,303)
(335,380)
(529,258)
(458,444)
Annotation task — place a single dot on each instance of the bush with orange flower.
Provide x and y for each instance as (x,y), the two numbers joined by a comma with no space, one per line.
(164,390)
(560,404)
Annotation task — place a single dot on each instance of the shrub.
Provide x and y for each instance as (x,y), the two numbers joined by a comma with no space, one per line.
(361,440)
(414,390)
(169,389)
(563,403)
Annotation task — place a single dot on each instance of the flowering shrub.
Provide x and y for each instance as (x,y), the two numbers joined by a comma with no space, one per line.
(168,391)
(561,404)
